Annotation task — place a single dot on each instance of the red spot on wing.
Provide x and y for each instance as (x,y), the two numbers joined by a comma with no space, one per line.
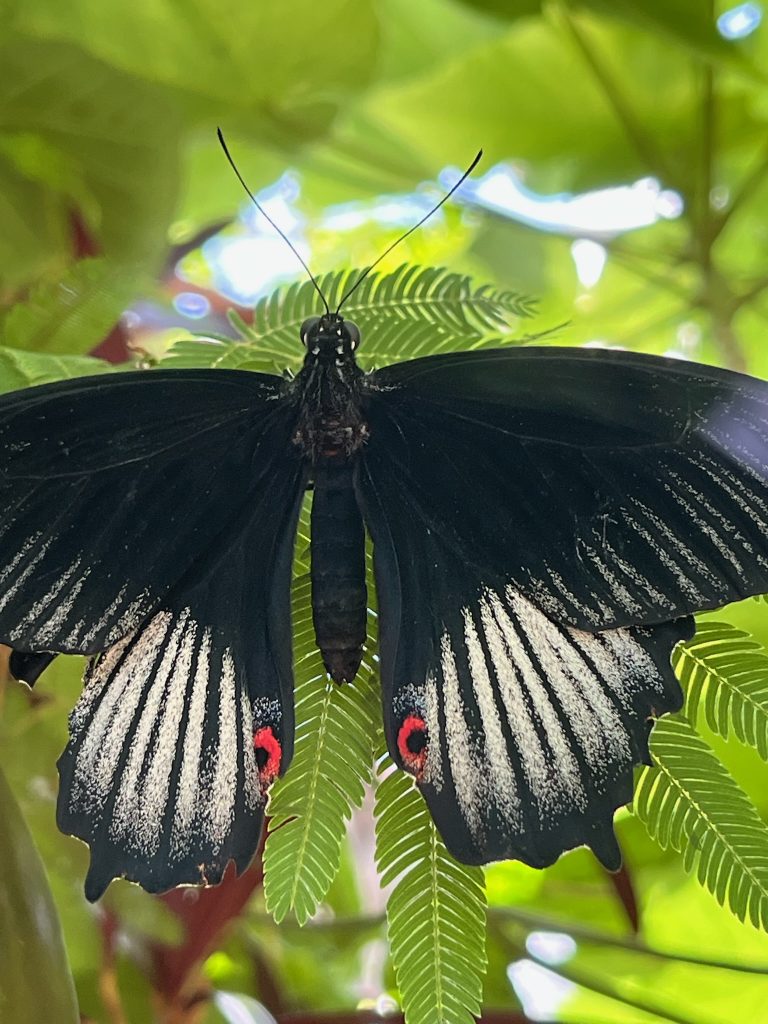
(412,744)
(269,753)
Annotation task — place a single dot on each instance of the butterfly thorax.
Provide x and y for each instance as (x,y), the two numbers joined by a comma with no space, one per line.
(328,391)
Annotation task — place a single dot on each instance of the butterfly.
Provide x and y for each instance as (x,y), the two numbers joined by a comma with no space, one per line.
(545,521)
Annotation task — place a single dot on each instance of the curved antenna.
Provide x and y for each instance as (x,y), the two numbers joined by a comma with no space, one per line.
(264,214)
(410,231)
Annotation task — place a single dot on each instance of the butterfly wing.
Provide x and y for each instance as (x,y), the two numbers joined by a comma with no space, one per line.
(112,487)
(186,717)
(610,488)
(527,610)
(184,724)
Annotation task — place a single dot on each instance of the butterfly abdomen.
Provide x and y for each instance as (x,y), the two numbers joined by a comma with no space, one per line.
(339,596)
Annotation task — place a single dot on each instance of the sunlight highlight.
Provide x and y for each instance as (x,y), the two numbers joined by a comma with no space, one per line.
(740,22)
(541,991)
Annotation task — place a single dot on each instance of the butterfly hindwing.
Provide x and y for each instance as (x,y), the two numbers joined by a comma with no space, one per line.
(183,724)
(112,486)
(610,488)
(522,732)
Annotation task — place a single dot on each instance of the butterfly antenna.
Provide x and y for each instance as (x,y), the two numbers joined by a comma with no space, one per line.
(410,231)
(264,214)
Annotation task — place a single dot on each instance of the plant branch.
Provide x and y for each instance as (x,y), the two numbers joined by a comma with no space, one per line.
(755,289)
(728,342)
(634,130)
(658,279)
(703,212)
(539,922)
(589,980)
(749,185)
(715,296)
(531,922)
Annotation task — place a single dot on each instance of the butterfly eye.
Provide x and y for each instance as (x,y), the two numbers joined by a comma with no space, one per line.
(268,753)
(412,743)
(308,327)
(353,332)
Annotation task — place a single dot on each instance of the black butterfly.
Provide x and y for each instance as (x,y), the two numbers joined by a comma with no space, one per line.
(544,520)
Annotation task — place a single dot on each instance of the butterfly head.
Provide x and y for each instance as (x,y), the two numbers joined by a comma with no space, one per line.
(330,337)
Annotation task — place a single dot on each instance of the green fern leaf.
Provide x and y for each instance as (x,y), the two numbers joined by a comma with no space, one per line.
(73,314)
(335,729)
(23,369)
(435,913)
(724,672)
(690,802)
(412,311)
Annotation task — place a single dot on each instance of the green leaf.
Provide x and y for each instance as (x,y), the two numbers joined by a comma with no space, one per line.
(690,802)
(143,917)
(31,234)
(410,312)
(23,369)
(74,314)
(435,913)
(689,23)
(245,56)
(724,672)
(416,35)
(102,142)
(335,727)
(535,68)
(35,982)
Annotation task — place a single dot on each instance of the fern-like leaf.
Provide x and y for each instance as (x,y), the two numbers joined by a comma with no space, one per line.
(724,672)
(689,801)
(310,807)
(412,311)
(73,314)
(23,369)
(435,913)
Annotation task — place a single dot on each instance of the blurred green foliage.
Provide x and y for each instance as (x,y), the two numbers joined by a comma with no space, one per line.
(108,161)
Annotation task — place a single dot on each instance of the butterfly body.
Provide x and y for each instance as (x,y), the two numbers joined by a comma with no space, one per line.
(331,427)
(328,391)
(339,594)
(544,523)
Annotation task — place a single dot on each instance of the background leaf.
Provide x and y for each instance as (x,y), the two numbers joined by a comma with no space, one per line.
(435,912)
(74,314)
(23,369)
(35,982)
(725,675)
(691,803)
(409,312)
(89,133)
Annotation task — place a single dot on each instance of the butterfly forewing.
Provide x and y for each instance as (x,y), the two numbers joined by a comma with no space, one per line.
(111,487)
(610,488)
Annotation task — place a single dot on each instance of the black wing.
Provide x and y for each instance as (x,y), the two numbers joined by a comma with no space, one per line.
(112,487)
(610,488)
(183,725)
(184,489)
(543,522)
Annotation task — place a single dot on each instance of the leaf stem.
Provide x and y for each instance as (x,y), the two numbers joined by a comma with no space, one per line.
(749,185)
(634,130)
(589,980)
(540,922)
